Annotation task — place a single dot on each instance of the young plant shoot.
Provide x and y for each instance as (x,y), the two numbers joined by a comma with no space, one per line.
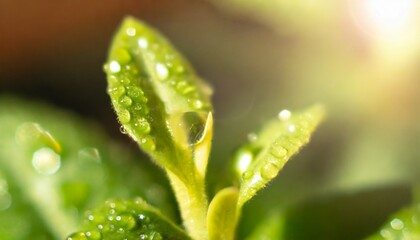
(165,107)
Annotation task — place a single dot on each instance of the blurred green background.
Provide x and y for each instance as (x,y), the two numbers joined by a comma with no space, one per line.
(360,58)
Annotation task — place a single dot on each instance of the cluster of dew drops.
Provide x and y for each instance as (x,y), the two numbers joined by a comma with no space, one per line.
(246,155)
(118,219)
(124,77)
(405,225)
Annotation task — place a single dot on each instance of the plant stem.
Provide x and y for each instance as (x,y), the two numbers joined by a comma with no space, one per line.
(193,204)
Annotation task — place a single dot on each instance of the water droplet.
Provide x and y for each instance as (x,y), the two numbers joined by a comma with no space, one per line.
(277,150)
(143,236)
(194,123)
(197,104)
(124,80)
(143,126)
(91,154)
(162,71)
(143,43)
(124,116)
(291,128)
(243,159)
(397,224)
(114,67)
(252,191)
(126,101)
(117,91)
(269,170)
(247,175)
(127,221)
(32,135)
(181,85)
(143,219)
(122,56)
(386,234)
(131,32)
(148,143)
(45,161)
(284,115)
(77,236)
(134,92)
(93,235)
(123,130)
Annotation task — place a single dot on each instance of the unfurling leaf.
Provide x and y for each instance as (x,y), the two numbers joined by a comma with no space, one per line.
(155,92)
(127,219)
(222,215)
(269,151)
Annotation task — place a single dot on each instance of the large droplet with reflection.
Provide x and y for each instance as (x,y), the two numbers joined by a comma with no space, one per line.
(46,161)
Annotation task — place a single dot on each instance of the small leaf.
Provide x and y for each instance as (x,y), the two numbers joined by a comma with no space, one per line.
(222,215)
(154,91)
(127,219)
(277,142)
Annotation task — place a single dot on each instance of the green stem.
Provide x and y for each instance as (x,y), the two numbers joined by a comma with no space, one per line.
(193,204)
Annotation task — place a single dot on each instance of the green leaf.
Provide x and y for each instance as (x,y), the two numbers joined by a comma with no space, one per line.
(403,225)
(127,219)
(54,165)
(278,141)
(160,101)
(222,215)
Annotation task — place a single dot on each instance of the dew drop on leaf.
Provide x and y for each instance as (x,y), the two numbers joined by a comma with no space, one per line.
(194,123)
(247,174)
(162,71)
(291,128)
(197,104)
(45,161)
(93,235)
(124,116)
(269,170)
(242,160)
(77,236)
(148,143)
(131,32)
(122,56)
(397,224)
(123,130)
(143,236)
(277,150)
(126,101)
(114,67)
(134,92)
(284,115)
(143,126)
(143,43)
